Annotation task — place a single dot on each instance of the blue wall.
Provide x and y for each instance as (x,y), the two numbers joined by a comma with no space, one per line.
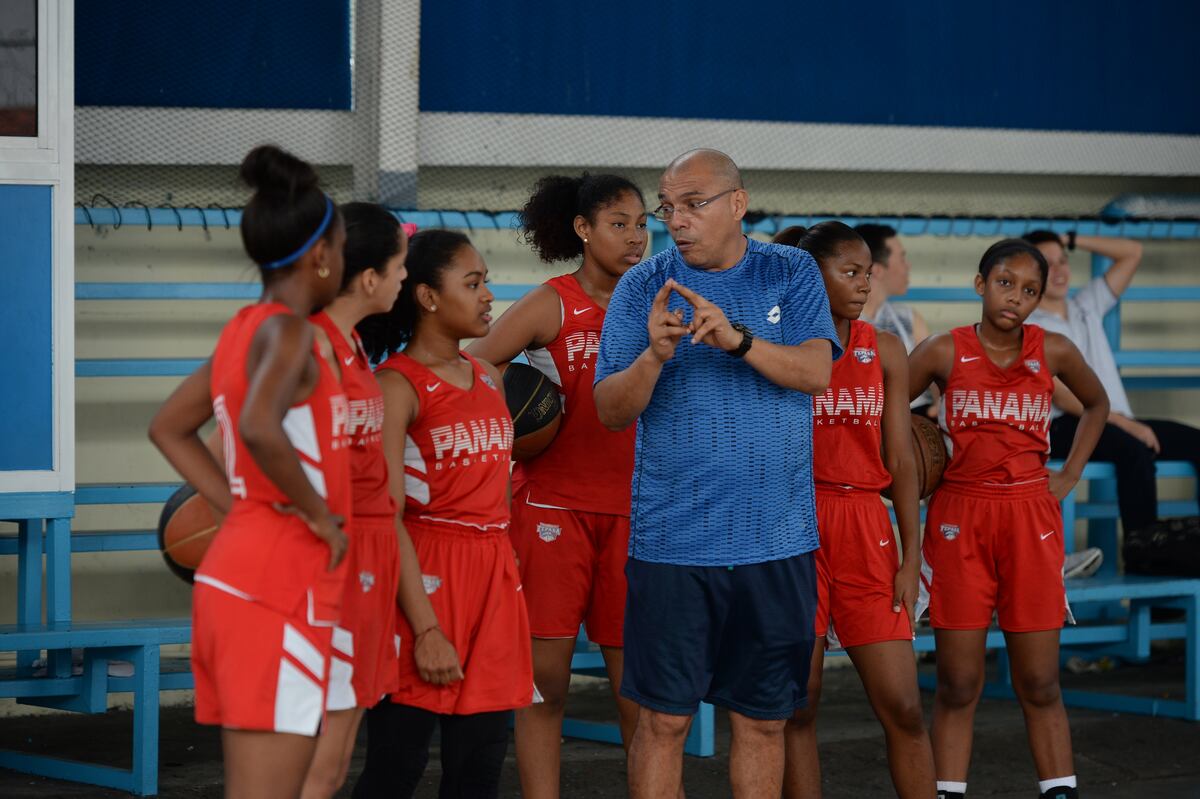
(26,302)
(1087,65)
(213,53)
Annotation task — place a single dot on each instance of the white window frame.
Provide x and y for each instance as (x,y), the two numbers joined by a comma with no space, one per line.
(49,160)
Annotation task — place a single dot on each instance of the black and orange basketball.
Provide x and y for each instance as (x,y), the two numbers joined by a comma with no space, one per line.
(536,409)
(929,451)
(185,529)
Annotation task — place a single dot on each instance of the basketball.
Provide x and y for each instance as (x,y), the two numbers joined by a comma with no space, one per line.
(185,529)
(929,451)
(535,407)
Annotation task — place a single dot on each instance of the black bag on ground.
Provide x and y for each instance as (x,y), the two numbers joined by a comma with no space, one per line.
(1170,547)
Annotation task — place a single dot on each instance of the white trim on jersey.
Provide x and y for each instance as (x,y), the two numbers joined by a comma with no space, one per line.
(503,526)
(543,361)
(222,586)
(416,488)
(298,705)
(412,456)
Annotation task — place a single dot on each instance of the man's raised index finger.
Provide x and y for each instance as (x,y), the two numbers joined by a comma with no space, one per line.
(692,297)
(663,295)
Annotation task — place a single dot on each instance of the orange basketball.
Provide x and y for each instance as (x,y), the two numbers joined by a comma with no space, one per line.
(185,529)
(929,451)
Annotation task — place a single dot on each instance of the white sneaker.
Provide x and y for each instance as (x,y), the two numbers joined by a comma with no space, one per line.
(1083,563)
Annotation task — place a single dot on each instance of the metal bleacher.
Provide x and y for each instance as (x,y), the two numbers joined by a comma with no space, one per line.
(45,530)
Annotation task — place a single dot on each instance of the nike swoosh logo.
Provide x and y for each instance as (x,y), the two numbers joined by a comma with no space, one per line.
(433,386)
(1047,535)
(349,360)
(965,359)
(578,311)
(883,542)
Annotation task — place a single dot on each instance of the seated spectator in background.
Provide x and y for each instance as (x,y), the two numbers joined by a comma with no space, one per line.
(1131,444)
(889,278)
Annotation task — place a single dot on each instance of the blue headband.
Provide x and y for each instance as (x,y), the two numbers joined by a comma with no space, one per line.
(306,246)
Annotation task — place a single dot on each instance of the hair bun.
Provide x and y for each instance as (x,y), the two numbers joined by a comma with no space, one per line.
(272,171)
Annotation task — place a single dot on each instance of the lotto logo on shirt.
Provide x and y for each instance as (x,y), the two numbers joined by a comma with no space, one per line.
(858,405)
(366,421)
(581,346)
(1023,411)
(475,441)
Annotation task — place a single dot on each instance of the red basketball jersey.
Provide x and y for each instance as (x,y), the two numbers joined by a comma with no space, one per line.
(587,467)
(259,553)
(847,430)
(998,419)
(368,467)
(458,449)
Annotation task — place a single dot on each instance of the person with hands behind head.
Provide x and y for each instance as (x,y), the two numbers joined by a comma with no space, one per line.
(447,437)
(866,596)
(721,581)
(570,516)
(1132,444)
(269,589)
(994,531)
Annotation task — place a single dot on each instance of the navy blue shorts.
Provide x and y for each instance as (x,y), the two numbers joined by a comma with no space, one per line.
(740,637)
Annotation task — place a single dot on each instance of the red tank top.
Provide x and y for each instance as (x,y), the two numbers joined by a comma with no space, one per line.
(587,467)
(259,553)
(368,467)
(847,430)
(458,449)
(998,419)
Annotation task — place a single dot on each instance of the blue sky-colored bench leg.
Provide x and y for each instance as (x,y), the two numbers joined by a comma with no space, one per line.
(145,720)
(701,739)
(29,584)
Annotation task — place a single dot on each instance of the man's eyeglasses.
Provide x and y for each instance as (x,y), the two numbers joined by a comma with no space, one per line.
(663,213)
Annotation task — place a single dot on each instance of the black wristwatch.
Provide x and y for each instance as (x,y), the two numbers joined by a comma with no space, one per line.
(747,340)
(1071,240)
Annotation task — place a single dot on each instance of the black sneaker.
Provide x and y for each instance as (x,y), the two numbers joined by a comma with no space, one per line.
(1061,792)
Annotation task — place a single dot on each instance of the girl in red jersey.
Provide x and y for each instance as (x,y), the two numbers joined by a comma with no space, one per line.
(865,595)
(570,524)
(269,589)
(994,533)
(448,440)
(363,666)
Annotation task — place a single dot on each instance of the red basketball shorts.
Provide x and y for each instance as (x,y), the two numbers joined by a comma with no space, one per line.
(573,568)
(856,570)
(994,550)
(472,582)
(363,668)
(256,668)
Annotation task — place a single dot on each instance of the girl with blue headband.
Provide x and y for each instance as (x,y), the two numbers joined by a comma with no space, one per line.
(269,589)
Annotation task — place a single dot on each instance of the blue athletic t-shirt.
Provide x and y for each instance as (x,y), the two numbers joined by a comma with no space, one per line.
(723,464)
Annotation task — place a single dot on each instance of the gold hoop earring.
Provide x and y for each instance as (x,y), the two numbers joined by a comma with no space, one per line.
(323,272)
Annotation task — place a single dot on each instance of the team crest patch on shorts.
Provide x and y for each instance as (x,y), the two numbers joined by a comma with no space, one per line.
(548,532)
(431,583)
(366,580)
(1034,366)
(864,354)
(950,531)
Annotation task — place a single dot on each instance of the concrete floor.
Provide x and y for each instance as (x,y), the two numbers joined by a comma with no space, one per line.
(1116,755)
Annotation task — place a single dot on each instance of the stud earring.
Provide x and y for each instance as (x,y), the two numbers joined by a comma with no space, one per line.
(323,272)
(432,308)
(585,241)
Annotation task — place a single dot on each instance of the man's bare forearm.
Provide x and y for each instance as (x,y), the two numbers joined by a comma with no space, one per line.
(621,397)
